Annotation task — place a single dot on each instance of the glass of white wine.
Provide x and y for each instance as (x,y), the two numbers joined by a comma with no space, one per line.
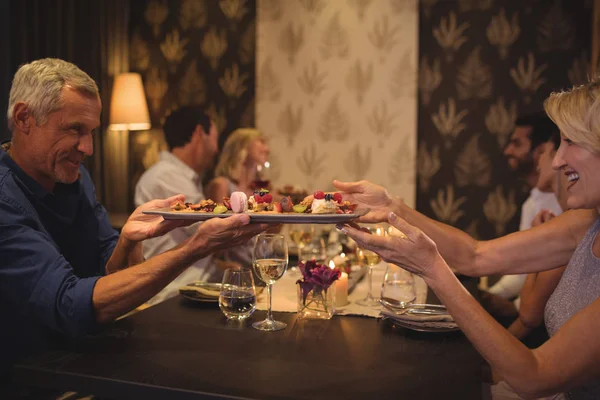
(270,260)
(370,259)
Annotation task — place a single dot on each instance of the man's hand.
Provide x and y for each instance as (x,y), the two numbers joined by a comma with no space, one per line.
(541,217)
(140,226)
(222,233)
(367,195)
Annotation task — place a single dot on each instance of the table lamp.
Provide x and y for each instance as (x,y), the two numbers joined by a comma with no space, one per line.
(128,107)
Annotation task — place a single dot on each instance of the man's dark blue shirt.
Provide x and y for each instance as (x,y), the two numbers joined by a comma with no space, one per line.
(53,248)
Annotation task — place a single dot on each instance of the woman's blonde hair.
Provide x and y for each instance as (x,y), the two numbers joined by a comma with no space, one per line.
(235,151)
(576,112)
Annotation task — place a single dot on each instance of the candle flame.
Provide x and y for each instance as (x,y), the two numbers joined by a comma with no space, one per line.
(343,255)
(331,264)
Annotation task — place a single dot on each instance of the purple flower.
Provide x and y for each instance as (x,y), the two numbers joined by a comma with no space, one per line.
(316,276)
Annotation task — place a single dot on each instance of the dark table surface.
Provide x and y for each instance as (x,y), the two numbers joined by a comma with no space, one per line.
(184,350)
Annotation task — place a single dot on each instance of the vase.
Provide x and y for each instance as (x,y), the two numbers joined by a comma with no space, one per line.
(318,304)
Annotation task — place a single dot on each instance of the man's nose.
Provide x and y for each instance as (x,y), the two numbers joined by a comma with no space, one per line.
(86,144)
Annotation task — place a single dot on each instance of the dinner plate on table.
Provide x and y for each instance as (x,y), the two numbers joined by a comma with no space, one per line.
(204,292)
(260,217)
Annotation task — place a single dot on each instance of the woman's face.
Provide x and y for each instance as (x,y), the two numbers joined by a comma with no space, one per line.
(547,175)
(581,168)
(258,151)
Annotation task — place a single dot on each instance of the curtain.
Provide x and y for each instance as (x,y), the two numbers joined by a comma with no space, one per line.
(85,33)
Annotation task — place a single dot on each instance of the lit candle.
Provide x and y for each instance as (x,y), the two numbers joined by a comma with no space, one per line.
(341,288)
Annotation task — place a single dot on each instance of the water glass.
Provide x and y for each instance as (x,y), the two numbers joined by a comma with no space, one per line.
(237,299)
(398,287)
(370,259)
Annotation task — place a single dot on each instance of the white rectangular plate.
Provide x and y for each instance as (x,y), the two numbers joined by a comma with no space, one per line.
(279,218)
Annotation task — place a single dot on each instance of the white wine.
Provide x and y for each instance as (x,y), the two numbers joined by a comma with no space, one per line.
(269,270)
(367,257)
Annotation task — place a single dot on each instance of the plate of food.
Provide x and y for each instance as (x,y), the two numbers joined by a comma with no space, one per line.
(205,292)
(318,208)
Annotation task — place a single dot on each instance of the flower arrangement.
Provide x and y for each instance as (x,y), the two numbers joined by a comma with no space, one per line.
(314,298)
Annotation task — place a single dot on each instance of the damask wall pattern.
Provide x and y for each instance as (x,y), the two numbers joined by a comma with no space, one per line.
(481,64)
(192,52)
(337,91)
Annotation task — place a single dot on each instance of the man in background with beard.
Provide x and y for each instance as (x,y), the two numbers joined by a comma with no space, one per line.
(523,151)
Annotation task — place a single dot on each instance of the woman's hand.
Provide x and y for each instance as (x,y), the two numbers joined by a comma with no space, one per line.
(140,226)
(415,251)
(367,195)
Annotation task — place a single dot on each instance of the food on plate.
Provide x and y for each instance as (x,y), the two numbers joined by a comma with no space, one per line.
(238,202)
(262,202)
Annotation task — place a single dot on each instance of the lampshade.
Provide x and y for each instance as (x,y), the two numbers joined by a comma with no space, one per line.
(128,107)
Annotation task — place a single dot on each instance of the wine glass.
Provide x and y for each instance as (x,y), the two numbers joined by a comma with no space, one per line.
(262,178)
(270,260)
(370,259)
(314,250)
(301,235)
(237,299)
(398,287)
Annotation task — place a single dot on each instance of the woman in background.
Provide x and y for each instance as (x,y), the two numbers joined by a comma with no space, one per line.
(245,150)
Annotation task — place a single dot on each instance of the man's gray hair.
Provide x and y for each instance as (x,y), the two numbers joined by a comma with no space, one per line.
(39,85)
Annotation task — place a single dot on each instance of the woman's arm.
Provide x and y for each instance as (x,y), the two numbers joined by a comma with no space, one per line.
(217,188)
(568,359)
(535,294)
(517,253)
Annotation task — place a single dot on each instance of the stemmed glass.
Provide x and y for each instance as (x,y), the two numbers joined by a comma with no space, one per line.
(370,259)
(301,235)
(262,179)
(270,260)
(398,288)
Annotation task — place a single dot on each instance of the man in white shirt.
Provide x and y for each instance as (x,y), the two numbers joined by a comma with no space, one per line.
(193,142)
(523,151)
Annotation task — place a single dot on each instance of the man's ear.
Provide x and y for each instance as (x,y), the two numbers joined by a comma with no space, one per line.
(22,118)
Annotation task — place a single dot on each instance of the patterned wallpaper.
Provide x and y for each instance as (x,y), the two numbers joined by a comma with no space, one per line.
(199,52)
(336,91)
(482,63)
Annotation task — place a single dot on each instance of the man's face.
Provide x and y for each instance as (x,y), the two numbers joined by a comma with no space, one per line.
(58,147)
(518,150)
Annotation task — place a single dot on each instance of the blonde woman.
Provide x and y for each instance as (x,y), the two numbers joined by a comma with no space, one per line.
(568,364)
(244,150)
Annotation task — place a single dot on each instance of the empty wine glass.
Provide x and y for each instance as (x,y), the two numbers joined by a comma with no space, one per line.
(398,287)
(237,299)
(270,260)
(370,259)
(301,235)
(315,250)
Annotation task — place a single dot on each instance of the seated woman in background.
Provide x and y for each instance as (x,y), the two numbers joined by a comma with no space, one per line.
(570,360)
(244,150)
(539,286)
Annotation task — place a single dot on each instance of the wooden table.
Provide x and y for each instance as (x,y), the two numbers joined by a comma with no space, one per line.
(184,350)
